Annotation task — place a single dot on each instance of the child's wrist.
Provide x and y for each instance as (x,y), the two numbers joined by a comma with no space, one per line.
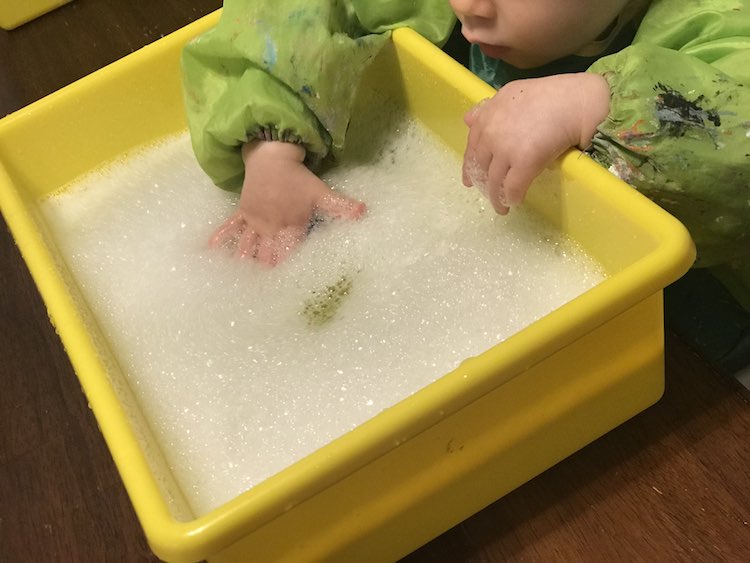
(281,150)
(594,106)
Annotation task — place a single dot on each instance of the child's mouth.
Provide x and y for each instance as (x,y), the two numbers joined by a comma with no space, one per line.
(494,51)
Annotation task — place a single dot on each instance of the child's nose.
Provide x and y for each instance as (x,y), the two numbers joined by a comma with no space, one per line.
(474,8)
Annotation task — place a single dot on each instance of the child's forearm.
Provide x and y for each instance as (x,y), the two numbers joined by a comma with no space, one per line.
(290,67)
(678,123)
(594,106)
(677,131)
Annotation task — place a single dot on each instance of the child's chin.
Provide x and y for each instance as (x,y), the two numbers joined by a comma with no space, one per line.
(495,51)
(511,56)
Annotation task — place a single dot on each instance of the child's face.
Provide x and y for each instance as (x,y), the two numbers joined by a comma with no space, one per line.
(530,33)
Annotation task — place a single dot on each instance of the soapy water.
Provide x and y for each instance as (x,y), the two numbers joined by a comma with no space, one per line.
(241,370)
(479,179)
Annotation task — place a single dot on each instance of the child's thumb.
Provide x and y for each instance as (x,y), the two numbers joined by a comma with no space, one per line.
(337,206)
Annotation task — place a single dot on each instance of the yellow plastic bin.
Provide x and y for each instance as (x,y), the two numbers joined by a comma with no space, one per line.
(437,457)
(16,12)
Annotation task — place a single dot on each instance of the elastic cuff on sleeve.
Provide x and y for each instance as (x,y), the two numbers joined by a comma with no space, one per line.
(272,134)
(269,133)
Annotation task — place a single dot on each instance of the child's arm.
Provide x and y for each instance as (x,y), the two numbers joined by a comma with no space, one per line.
(677,128)
(679,124)
(287,70)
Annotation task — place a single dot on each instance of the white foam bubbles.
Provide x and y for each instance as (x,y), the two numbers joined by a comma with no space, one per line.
(241,370)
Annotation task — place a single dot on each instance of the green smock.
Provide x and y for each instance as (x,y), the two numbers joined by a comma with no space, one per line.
(678,128)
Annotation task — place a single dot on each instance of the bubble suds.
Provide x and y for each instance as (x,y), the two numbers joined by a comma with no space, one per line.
(479,178)
(241,370)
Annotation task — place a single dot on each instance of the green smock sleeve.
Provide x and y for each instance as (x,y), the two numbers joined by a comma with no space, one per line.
(288,70)
(679,122)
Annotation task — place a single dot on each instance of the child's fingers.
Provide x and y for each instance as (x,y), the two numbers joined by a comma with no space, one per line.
(266,254)
(475,168)
(247,245)
(337,206)
(496,182)
(465,179)
(517,183)
(501,209)
(272,250)
(473,175)
(469,167)
(476,160)
(287,240)
(229,229)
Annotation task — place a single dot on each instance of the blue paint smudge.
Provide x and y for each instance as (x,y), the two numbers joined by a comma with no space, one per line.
(269,55)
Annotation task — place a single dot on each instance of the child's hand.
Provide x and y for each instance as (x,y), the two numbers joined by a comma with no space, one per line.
(529,123)
(279,197)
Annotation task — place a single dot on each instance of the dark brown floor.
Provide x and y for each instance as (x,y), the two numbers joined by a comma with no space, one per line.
(670,485)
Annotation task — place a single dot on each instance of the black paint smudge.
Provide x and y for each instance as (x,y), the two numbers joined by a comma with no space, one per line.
(677,114)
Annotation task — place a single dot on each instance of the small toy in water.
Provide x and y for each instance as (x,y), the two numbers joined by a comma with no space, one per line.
(324,303)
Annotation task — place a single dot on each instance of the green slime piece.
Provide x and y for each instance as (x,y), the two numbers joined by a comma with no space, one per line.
(322,306)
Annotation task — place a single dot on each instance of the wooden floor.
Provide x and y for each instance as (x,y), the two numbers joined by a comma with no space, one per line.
(672,484)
